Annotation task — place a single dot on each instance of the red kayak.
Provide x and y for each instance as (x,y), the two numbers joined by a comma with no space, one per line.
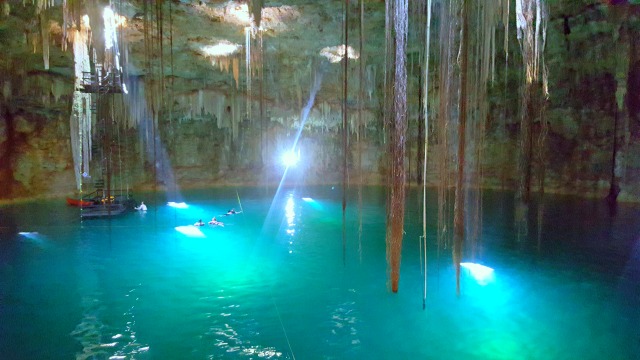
(79,202)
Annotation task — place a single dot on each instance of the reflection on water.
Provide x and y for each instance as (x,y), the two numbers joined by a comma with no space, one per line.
(565,279)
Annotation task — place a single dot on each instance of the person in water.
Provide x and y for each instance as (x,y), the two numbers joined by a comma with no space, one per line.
(199,223)
(214,221)
(142,206)
(231,212)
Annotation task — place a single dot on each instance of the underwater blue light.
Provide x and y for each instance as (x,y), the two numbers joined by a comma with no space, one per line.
(190,230)
(28,233)
(482,274)
(33,235)
(180,205)
(311,202)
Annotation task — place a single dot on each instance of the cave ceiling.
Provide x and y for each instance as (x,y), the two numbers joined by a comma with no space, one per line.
(178,40)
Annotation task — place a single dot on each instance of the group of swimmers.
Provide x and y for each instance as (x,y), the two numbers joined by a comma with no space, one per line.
(215,221)
(212,222)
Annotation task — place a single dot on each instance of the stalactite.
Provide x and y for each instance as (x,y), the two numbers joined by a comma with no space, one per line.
(247,33)
(220,109)
(160,26)
(236,71)
(58,88)
(360,124)
(388,70)
(81,115)
(448,27)
(345,130)
(488,16)
(262,119)
(298,89)
(371,81)
(44,34)
(255,8)
(531,25)
(421,120)
(614,188)
(425,116)
(458,209)
(464,96)
(171,81)
(235,117)
(69,20)
(397,199)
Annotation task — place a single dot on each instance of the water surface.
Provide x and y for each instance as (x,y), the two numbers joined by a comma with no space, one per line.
(279,281)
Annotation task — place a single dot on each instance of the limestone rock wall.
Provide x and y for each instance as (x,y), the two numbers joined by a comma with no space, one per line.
(210,128)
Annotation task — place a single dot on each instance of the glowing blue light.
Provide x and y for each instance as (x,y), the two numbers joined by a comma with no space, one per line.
(290,158)
(482,274)
(190,230)
(33,235)
(313,203)
(180,205)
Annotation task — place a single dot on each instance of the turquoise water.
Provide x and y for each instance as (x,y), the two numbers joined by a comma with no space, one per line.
(277,281)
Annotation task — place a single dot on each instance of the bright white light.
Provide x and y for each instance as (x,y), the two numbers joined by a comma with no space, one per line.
(33,235)
(289,211)
(336,53)
(307,199)
(240,12)
(482,274)
(223,48)
(190,230)
(237,12)
(180,205)
(111,23)
(290,158)
(109,28)
(84,21)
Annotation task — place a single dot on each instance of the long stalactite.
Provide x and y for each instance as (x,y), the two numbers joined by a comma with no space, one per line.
(425,117)
(447,96)
(360,131)
(398,178)
(531,25)
(458,216)
(345,92)
(465,70)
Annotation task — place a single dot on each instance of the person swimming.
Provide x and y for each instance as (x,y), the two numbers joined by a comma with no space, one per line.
(232,212)
(215,222)
(199,223)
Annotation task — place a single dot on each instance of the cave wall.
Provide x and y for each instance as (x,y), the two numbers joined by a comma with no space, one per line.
(213,138)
